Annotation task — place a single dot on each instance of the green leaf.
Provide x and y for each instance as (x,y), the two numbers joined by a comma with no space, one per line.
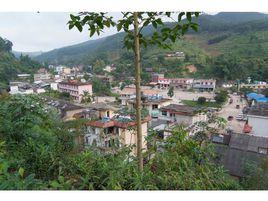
(189,16)
(21,171)
(72,17)
(194,27)
(92,30)
(197,14)
(180,16)
(78,26)
(119,26)
(71,26)
(154,24)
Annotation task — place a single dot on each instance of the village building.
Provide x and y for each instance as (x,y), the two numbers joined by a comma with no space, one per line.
(237,151)
(163,83)
(105,78)
(129,93)
(182,114)
(255,86)
(42,75)
(75,88)
(204,84)
(258,119)
(106,128)
(151,103)
(181,83)
(66,109)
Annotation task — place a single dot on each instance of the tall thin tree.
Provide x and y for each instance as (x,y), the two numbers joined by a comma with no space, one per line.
(133,24)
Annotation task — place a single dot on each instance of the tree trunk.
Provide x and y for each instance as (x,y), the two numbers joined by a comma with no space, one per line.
(138,90)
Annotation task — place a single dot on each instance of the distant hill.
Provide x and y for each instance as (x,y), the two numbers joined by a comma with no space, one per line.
(30,54)
(10,66)
(226,26)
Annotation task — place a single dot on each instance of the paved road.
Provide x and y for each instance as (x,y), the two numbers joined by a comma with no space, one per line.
(230,110)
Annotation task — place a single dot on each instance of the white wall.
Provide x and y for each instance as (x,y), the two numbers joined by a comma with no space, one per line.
(259,125)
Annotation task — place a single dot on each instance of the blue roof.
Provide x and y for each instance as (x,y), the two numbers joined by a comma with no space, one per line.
(254,95)
(262,100)
(258,97)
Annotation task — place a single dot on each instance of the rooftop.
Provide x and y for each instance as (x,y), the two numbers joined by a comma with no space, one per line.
(132,90)
(260,109)
(75,82)
(117,121)
(181,109)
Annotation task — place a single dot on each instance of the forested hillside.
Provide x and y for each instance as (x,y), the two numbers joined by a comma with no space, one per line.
(227,46)
(10,66)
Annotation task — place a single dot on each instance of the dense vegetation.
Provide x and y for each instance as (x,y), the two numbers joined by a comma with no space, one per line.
(38,152)
(10,66)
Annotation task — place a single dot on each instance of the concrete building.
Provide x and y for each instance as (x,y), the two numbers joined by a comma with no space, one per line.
(156,76)
(204,84)
(42,76)
(181,83)
(106,128)
(182,114)
(255,86)
(163,83)
(129,93)
(151,103)
(258,119)
(75,89)
(66,109)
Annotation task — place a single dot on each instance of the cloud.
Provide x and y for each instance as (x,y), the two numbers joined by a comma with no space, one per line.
(41,31)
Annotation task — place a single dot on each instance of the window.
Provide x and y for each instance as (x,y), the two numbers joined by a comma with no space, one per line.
(154,107)
(262,150)
(164,113)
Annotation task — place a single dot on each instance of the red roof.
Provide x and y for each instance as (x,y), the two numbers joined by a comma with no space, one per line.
(114,122)
(247,128)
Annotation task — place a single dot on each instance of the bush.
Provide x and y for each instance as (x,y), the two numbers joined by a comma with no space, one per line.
(201,100)
(221,96)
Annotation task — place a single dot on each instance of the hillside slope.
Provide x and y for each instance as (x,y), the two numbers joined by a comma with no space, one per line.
(230,27)
(10,66)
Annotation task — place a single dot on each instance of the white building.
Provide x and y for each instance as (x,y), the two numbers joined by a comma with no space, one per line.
(258,119)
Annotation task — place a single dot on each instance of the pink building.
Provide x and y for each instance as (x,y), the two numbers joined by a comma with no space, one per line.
(75,89)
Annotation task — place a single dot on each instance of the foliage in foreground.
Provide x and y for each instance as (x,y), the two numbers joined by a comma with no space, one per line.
(37,152)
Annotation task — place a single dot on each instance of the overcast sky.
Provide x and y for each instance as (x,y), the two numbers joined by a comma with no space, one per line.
(30,32)
(41,31)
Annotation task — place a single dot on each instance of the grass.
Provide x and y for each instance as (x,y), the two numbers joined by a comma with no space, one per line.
(196,104)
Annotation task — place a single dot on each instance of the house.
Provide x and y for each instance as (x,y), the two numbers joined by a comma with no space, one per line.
(130,92)
(105,78)
(152,103)
(163,83)
(204,84)
(174,115)
(182,114)
(118,131)
(75,88)
(258,119)
(97,111)
(181,83)
(42,76)
(106,128)
(66,109)
(255,86)
(20,88)
(175,55)
(156,76)
(236,151)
